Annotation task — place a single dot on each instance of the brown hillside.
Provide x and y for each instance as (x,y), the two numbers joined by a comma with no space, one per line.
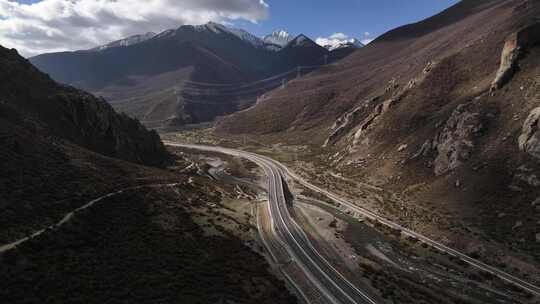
(422,112)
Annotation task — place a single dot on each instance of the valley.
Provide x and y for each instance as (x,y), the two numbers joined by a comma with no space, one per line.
(212,157)
(415,259)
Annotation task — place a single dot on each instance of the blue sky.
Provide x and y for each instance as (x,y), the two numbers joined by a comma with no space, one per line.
(352,17)
(41,26)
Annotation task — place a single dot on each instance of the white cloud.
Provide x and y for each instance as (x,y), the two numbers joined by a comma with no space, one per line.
(59,25)
(335,40)
(366,41)
(366,34)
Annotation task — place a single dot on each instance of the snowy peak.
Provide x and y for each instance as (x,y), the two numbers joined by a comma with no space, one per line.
(339,41)
(248,37)
(349,43)
(243,35)
(280,38)
(212,27)
(135,39)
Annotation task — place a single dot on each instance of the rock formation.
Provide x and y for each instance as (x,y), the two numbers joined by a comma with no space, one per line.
(73,115)
(456,142)
(529,140)
(513,48)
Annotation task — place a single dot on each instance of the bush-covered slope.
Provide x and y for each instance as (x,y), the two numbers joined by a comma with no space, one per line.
(61,111)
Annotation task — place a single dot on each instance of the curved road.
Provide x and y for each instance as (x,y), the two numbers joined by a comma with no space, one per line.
(338,288)
(334,286)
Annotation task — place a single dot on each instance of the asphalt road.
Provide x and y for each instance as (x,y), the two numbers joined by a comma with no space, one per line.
(339,289)
(336,287)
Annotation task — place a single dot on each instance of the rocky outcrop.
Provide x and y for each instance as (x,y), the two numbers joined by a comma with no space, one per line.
(513,48)
(529,140)
(383,107)
(348,121)
(368,121)
(92,123)
(509,59)
(343,125)
(455,143)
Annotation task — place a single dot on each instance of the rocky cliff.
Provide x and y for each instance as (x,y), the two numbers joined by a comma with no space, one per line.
(73,115)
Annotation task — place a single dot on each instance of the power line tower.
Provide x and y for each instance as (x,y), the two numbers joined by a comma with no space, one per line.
(283,83)
(298,72)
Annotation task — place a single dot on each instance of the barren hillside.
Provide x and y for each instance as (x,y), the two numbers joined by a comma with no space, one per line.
(442,112)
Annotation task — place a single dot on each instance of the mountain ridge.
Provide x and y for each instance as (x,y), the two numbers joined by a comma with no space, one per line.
(155,80)
(74,115)
(124,42)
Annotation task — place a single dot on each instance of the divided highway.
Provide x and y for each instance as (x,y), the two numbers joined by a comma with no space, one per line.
(338,288)
(335,287)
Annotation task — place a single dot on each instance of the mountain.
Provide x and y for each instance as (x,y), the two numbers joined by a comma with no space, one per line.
(75,214)
(279,38)
(148,80)
(60,147)
(188,75)
(73,115)
(126,41)
(248,37)
(61,175)
(348,43)
(302,51)
(207,47)
(442,114)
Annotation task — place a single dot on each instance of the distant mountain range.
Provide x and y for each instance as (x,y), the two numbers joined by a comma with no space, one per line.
(157,77)
(275,41)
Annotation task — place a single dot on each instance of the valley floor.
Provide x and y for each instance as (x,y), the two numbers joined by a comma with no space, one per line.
(396,266)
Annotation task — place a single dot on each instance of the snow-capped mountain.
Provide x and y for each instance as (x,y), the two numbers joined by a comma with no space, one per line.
(273,42)
(126,41)
(339,41)
(207,53)
(349,43)
(280,38)
(248,37)
(211,26)
(240,33)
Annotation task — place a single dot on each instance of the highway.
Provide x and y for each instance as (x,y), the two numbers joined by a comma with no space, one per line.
(332,284)
(338,288)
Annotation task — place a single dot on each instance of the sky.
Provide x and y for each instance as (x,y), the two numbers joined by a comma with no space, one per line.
(354,18)
(40,26)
